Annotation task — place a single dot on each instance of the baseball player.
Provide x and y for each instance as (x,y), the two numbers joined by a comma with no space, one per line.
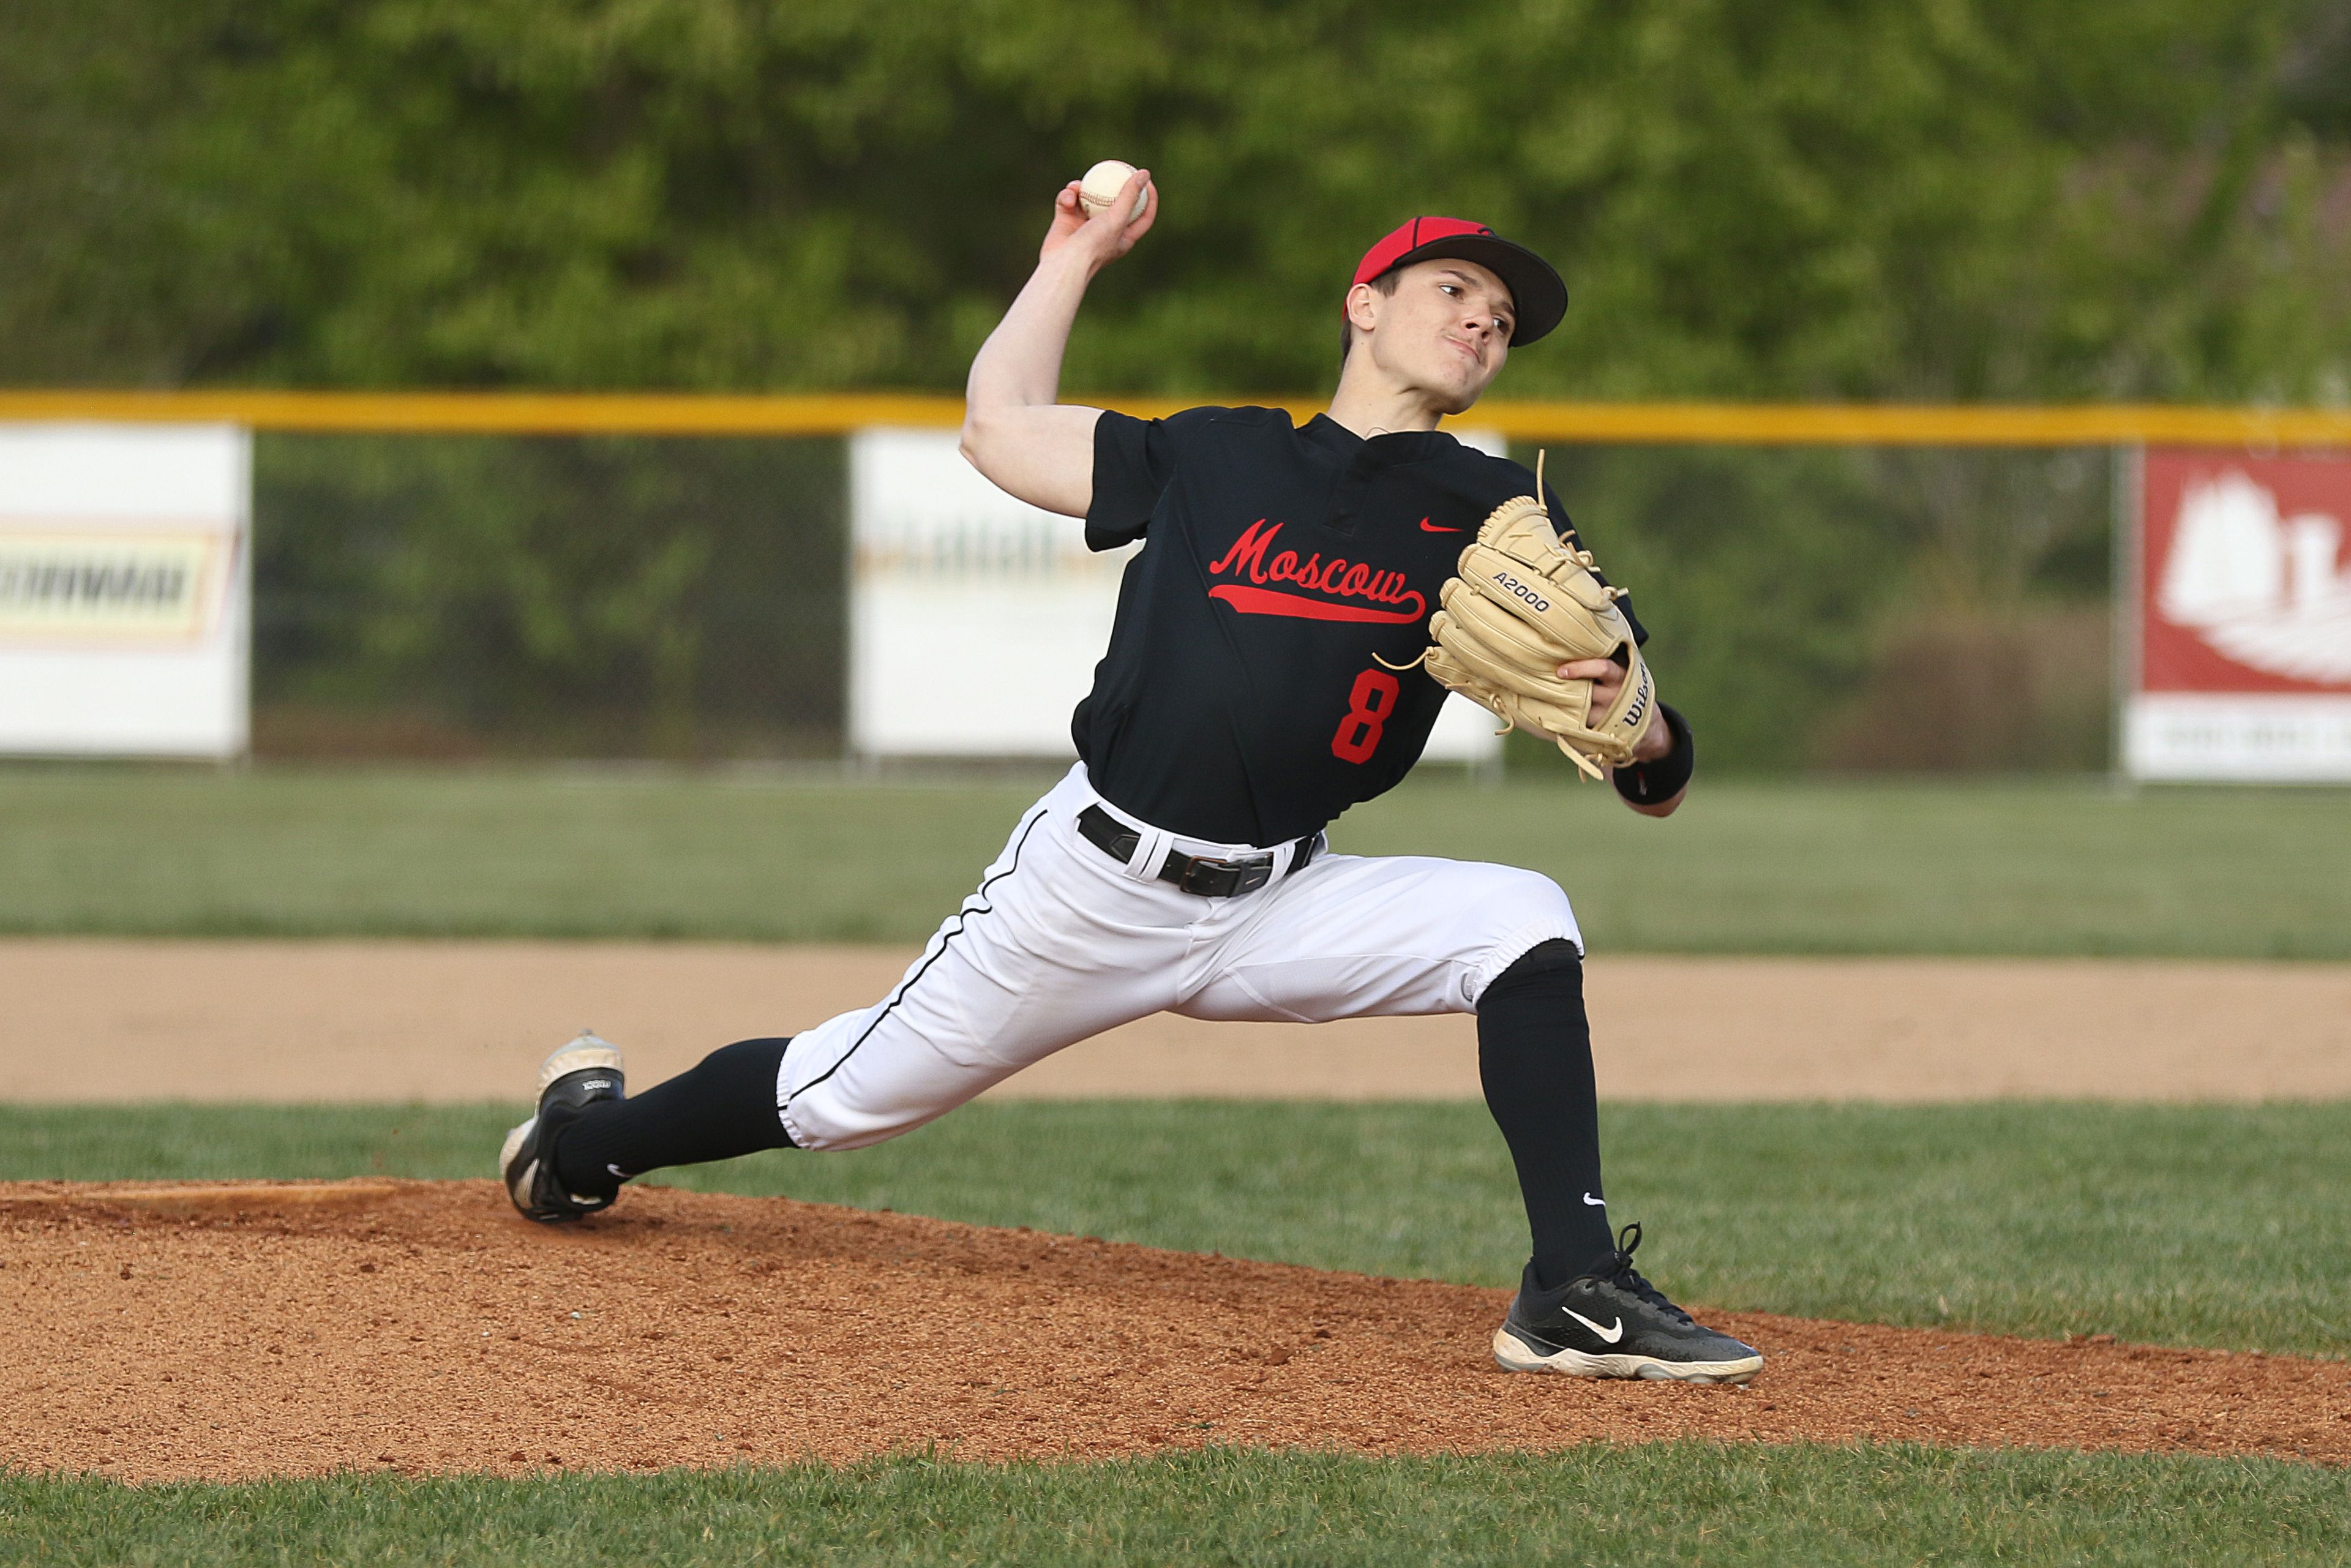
(1260,679)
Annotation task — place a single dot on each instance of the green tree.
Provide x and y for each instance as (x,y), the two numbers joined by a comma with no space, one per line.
(1823,198)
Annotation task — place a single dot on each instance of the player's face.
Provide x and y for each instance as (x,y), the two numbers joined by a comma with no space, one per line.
(1444,331)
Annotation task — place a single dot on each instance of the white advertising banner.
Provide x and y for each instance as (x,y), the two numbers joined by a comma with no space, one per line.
(975,619)
(125,590)
(2239,619)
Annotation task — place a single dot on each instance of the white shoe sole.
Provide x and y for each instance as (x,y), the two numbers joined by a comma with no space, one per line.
(1512,1354)
(585,1050)
(513,1145)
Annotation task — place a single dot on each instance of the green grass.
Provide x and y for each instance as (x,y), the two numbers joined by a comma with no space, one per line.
(2196,1225)
(2223,1226)
(2014,868)
(1663,1503)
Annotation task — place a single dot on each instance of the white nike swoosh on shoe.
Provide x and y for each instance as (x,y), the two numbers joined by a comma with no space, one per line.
(1608,1335)
(1595,1202)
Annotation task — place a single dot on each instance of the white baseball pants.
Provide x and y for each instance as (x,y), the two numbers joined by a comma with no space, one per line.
(1060,942)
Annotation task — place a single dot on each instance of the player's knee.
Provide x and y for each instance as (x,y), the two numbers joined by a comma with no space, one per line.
(1516,912)
(1553,967)
(1514,902)
(1539,892)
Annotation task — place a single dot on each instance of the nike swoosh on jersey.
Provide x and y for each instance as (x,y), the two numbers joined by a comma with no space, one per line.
(1595,1202)
(1608,1335)
(1429,527)
(1273,601)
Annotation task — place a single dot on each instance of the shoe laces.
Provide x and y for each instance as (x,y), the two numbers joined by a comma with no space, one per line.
(1621,1273)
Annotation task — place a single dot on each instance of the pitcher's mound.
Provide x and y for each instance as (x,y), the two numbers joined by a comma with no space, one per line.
(225,1331)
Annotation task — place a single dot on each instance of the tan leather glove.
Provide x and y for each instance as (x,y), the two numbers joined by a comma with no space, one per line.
(1525,603)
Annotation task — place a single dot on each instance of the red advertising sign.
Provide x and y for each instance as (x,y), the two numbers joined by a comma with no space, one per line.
(2242,608)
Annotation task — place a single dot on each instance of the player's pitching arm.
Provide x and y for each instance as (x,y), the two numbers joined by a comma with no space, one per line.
(1606,678)
(1014,432)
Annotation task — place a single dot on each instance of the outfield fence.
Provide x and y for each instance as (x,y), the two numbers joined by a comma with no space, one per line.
(499,574)
(838,413)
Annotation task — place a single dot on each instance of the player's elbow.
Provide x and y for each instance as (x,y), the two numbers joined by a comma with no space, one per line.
(1666,808)
(991,442)
(978,436)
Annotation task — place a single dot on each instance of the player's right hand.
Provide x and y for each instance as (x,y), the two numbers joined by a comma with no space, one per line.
(1607,679)
(1101,238)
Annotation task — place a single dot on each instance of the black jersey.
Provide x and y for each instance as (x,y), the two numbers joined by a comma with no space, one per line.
(1243,698)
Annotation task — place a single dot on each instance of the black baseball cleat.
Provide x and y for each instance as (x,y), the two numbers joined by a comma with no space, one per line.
(1614,1323)
(580,1075)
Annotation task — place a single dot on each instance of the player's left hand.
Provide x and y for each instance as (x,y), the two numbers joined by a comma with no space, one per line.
(1607,679)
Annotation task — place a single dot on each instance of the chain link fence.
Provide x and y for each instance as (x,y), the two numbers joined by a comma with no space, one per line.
(1847,608)
(447,597)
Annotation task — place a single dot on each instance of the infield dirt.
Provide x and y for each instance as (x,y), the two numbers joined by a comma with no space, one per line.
(253,1330)
(135,1019)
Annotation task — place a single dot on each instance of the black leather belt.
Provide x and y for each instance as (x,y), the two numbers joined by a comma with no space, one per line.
(1202,874)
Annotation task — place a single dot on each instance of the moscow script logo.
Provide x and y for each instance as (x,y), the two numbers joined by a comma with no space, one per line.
(1371,590)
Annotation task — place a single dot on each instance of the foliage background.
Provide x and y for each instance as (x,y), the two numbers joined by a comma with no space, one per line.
(1821,198)
(454,596)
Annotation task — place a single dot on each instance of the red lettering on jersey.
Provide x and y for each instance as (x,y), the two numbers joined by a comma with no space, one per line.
(1338,577)
(1273,601)
(1248,553)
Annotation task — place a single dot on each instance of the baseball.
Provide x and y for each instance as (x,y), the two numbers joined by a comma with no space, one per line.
(1102,184)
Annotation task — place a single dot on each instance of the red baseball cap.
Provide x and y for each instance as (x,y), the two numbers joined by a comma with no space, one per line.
(1535,289)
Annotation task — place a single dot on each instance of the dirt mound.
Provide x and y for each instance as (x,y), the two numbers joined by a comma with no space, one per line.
(282,1329)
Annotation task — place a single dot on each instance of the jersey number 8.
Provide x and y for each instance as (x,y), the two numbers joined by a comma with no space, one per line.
(1368,706)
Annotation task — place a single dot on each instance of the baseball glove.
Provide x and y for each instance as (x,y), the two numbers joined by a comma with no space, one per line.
(1525,603)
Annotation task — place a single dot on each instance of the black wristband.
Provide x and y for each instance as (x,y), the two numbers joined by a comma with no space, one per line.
(1653,783)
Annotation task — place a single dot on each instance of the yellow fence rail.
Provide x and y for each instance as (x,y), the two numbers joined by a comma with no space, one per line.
(630,413)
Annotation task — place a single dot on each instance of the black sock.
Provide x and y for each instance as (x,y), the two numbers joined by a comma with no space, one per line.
(724,1106)
(1535,1058)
